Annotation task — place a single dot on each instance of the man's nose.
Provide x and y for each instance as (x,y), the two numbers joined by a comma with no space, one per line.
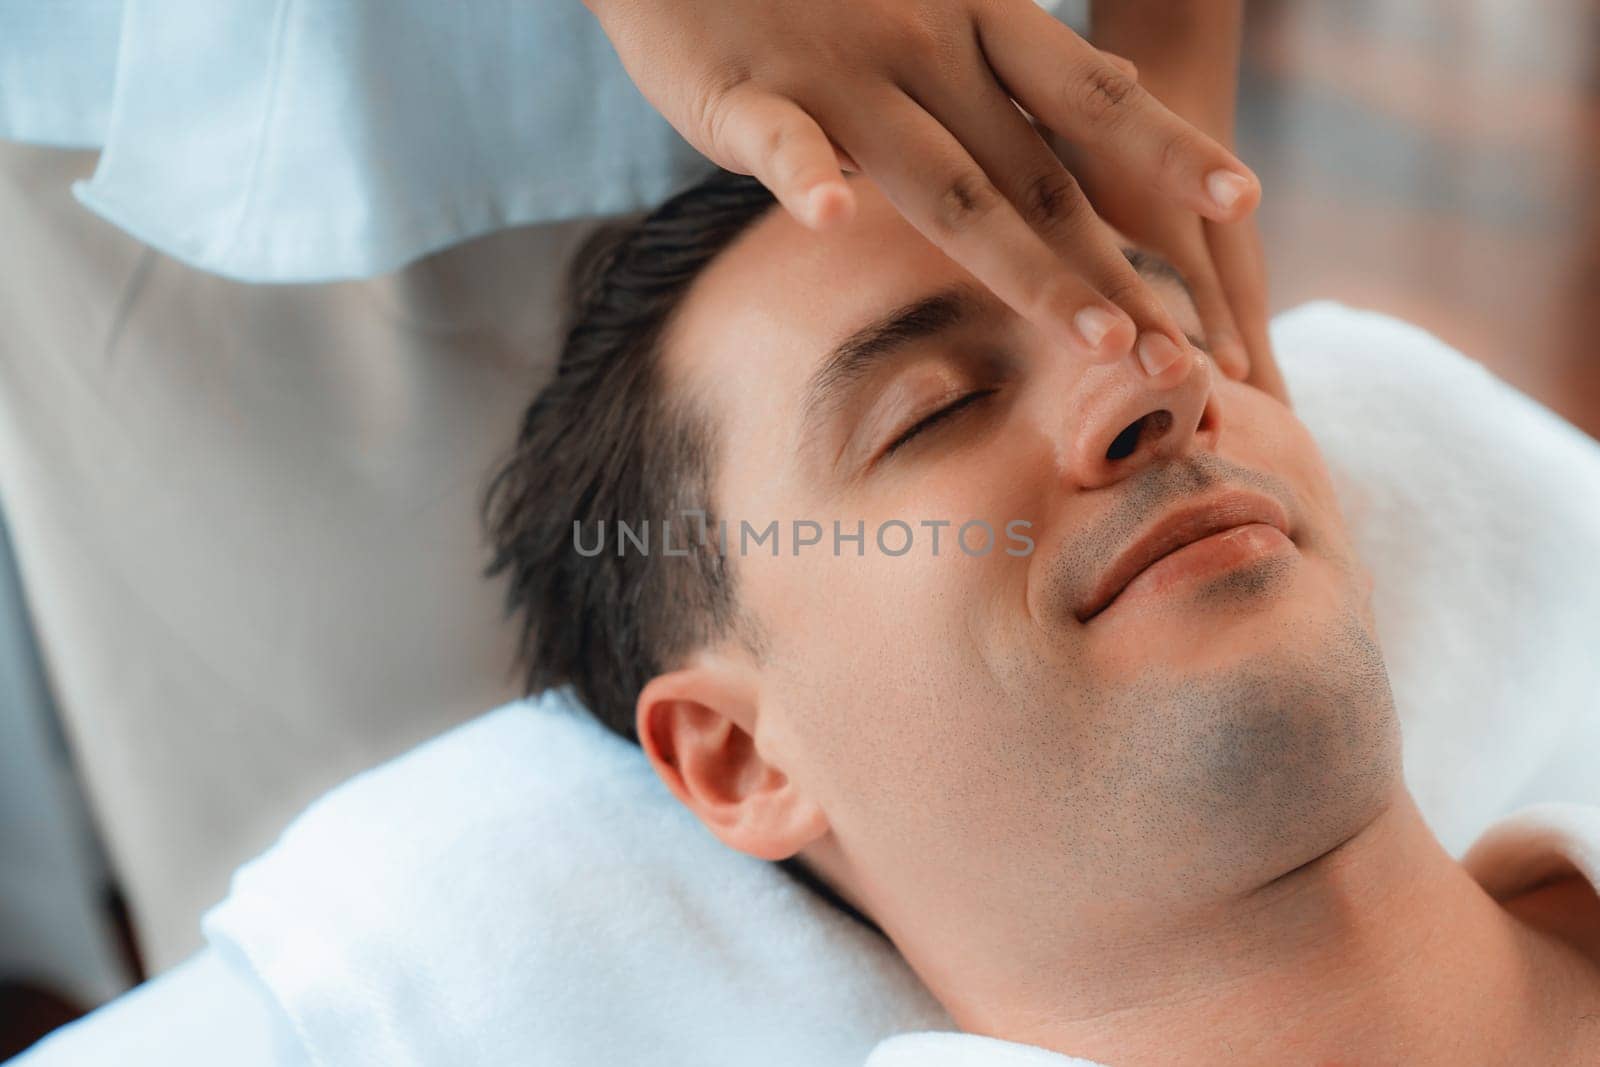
(1123,420)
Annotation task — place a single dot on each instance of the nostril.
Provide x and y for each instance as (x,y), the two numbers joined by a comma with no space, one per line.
(1125,443)
(1156,423)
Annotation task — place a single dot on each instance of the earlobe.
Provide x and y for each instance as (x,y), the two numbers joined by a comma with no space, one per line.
(696,726)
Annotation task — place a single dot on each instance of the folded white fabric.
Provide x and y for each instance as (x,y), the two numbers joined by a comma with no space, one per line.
(1478,512)
(522,890)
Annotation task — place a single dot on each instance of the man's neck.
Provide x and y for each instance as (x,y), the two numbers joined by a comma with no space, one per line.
(1383,950)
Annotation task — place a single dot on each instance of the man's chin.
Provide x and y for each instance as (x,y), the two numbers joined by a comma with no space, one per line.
(1261,752)
(1211,625)
(1243,728)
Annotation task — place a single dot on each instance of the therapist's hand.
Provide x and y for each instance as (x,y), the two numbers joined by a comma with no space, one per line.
(919,97)
(1187,55)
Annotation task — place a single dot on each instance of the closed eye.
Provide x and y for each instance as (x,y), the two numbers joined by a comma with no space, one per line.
(934,419)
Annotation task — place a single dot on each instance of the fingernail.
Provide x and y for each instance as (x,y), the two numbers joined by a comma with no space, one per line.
(1093,324)
(1226,187)
(828,203)
(1157,353)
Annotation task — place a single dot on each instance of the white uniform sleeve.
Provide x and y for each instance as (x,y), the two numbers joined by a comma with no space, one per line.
(275,141)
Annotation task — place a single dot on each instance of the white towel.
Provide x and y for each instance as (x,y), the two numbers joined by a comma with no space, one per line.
(1478,511)
(522,890)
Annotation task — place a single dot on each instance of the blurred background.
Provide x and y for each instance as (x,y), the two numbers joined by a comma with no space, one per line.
(1434,159)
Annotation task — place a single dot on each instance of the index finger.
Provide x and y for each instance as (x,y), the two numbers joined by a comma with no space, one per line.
(1084,292)
(1071,87)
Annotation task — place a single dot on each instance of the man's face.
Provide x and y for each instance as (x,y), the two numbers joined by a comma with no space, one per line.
(975,742)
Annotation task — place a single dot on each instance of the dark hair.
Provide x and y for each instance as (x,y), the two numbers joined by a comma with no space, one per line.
(604,441)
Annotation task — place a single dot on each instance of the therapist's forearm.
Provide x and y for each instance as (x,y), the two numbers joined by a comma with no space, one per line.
(1187,52)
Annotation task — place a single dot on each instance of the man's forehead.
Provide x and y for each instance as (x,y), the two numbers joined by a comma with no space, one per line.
(775,300)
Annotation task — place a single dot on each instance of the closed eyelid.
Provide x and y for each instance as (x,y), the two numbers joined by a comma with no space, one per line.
(916,388)
(937,318)
(938,415)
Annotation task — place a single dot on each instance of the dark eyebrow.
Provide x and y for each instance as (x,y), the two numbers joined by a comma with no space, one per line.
(866,348)
(943,311)
(1152,265)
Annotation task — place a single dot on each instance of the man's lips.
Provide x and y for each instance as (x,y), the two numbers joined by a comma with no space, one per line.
(1192,521)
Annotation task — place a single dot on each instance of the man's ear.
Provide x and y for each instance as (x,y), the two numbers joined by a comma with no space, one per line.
(696,726)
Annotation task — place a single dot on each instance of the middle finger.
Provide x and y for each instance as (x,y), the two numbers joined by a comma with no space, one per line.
(983,118)
(943,192)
